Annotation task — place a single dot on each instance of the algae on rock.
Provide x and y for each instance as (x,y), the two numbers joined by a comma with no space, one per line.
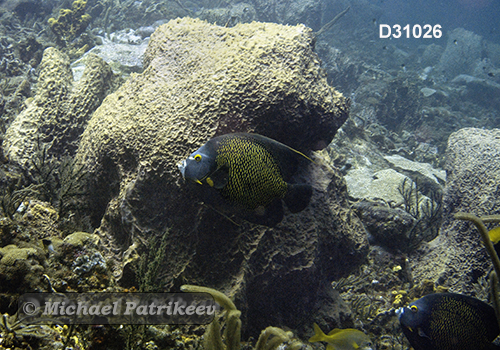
(71,22)
(20,268)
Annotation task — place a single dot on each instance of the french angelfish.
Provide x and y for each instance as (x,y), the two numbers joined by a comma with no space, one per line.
(448,321)
(252,173)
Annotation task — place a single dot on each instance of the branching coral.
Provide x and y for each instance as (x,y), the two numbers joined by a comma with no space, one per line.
(272,337)
(232,334)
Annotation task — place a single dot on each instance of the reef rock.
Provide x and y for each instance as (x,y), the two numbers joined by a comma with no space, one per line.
(363,183)
(483,90)
(425,169)
(463,50)
(389,227)
(122,50)
(60,109)
(457,258)
(202,80)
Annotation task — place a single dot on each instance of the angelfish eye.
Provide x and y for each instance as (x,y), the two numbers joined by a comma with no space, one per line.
(197,157)
(413,308)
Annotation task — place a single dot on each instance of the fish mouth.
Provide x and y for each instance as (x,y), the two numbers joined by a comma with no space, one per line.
(182,167)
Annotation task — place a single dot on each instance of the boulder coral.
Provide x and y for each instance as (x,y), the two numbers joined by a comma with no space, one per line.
(202,80)
(457,258)
(20,268)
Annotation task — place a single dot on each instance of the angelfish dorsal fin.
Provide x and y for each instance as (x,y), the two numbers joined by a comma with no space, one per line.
(422,334)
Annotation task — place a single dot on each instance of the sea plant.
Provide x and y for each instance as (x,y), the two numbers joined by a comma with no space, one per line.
(13,195)
(150,262)
(17,328)
(58,181)
(366,307)
(426,212)
(270,338)
(479,222)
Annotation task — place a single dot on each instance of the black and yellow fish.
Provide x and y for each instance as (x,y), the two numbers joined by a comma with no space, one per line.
(252,173)
(447,321)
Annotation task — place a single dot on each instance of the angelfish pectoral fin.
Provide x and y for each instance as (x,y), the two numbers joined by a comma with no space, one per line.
(182,167)
(210,182)
(422,334)
(219,178)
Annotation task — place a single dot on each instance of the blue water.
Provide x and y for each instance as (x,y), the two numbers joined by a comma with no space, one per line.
(479,16)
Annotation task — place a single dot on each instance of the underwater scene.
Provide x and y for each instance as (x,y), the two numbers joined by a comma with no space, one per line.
(259,174)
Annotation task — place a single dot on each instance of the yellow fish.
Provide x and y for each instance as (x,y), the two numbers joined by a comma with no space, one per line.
(342,339)
(495,235)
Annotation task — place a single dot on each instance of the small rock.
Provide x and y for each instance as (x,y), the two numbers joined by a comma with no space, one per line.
(427,91)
